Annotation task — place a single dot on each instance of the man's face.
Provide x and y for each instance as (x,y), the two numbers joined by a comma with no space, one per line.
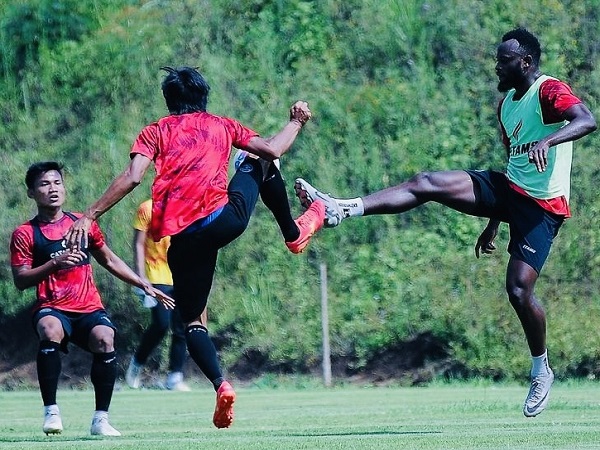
(510,65)
(48,190)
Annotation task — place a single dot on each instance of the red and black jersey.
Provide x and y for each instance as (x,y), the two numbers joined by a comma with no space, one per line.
(34,243)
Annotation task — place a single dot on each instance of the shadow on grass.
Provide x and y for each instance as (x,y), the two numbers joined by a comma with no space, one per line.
(361,433)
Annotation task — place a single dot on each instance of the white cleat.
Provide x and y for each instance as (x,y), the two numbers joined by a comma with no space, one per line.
(52,420)
(175,382)
(101,426)
(133,376)
(307,194)
(538,395)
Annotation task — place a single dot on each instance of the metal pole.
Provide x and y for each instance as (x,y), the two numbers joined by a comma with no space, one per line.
(325,326)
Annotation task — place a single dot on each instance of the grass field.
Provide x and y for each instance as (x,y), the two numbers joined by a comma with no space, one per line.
(454,416)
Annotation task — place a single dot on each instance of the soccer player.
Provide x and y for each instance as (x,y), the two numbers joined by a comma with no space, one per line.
(68,307)
(150,261)
(539,117)
(192,202)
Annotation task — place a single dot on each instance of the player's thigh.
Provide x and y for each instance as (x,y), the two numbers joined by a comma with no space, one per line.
(453,188)
(532,232)
(94,332)
(193,274)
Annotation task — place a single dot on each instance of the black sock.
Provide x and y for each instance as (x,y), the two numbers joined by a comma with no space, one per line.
(48,370)
(103,376)
(275,197)
(204,353)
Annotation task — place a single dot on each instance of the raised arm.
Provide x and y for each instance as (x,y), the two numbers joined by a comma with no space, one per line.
(273,147)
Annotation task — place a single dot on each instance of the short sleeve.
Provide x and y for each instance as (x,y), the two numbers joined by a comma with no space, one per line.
(21,247)
(555,98)
(143,216)
(146,143)
(240,134)
(96,237)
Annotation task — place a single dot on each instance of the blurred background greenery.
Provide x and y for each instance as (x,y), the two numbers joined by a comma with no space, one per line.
(396,87)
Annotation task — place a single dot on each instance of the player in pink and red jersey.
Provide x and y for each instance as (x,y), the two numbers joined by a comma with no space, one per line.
(68,306)
(194,204)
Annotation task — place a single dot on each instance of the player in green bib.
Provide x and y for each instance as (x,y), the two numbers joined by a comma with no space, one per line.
(540,117)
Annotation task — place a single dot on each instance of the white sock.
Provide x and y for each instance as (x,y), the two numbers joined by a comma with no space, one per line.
(100,414)
(351,206)
(51,409)
(540,365)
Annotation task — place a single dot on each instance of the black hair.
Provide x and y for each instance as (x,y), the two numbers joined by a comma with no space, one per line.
(185,90)
(36,170)
(527,41)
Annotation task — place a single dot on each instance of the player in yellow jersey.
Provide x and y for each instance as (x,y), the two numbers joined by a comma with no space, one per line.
(150,261)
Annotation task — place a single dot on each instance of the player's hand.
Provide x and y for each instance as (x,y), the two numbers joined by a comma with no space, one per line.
(538,155)
(69,259)
(485,243)
(167,301)
(300,112)
(77,236)
(147,301)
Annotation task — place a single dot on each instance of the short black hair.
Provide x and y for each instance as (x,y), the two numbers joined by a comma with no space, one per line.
(36,170)
(527,41)
(185,90)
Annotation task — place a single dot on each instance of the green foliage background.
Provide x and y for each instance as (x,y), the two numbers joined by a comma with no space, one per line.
(396,87)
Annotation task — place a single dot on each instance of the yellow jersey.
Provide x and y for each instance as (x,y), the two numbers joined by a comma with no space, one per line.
(157,268)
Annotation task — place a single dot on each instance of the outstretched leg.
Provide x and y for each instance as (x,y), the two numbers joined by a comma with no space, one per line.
(296,232)
(454,189)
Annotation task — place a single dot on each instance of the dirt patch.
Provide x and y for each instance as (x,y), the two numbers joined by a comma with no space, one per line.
(415,361)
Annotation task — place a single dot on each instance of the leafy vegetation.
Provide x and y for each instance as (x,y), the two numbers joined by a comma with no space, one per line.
(396,87)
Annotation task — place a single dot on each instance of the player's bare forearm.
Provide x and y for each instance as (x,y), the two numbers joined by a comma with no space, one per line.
(119,188)
(275,146)
(117,267)
(139,252)
(25,277)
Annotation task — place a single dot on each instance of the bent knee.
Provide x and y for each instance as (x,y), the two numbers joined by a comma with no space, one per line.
(102,339)
(49,328)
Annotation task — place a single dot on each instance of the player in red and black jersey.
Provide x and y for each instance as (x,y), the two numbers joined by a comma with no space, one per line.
(68,306)
(193,202)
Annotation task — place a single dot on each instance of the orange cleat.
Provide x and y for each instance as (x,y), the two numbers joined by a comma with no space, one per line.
(223,416)
(308,223)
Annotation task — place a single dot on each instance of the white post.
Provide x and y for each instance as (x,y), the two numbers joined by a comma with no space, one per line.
(325,326)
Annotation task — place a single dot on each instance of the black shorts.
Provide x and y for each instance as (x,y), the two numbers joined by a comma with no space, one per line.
(532,228)
(192,254)
(77,326)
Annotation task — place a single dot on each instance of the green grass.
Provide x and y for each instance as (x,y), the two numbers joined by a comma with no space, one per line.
(455,416)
